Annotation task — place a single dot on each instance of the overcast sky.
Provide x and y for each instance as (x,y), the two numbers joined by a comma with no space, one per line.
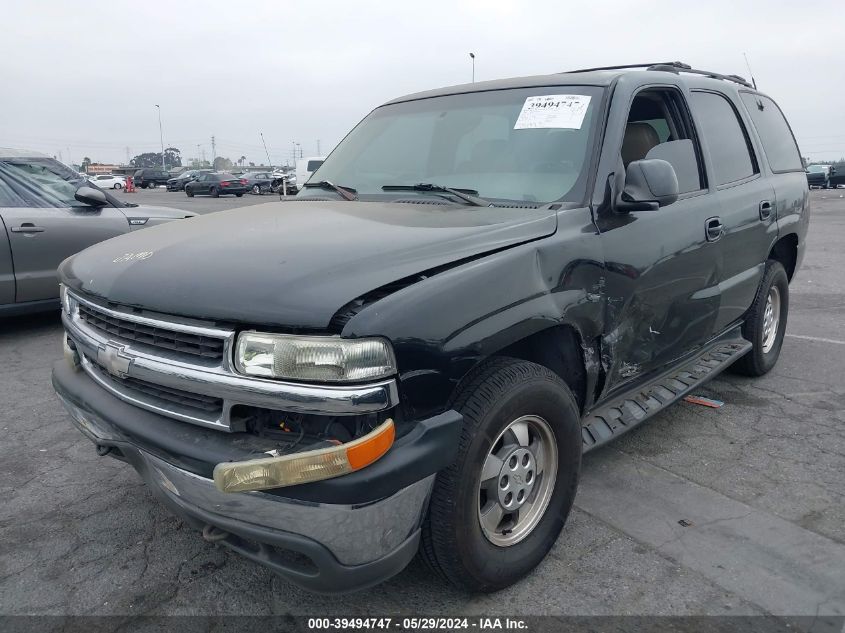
(83,78)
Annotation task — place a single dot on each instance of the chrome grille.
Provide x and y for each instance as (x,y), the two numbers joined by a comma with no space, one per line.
(198,401)
(182,342)
(180,368)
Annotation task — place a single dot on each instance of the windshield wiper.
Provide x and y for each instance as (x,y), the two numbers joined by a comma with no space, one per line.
(347,193)
(469,196)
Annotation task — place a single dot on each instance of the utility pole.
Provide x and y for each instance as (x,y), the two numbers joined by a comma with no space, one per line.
(318,148)
(127,154)
(472,55)
(213,151)
(161,137)
(265,150)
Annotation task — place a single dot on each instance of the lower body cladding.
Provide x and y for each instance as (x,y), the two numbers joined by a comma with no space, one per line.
(326,547)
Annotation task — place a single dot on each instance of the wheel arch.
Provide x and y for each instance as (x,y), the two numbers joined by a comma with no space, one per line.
(785,251)
(561,348)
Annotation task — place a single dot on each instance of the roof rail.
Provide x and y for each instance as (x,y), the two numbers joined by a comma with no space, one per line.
(589,70)
(673,67)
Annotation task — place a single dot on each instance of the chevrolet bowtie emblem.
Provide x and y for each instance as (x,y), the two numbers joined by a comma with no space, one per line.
(113,360)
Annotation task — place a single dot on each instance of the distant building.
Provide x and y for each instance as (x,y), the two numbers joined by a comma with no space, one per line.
(101,168)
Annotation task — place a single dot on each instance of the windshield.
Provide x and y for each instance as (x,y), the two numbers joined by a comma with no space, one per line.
(521,144)
(817,169)
(44,182)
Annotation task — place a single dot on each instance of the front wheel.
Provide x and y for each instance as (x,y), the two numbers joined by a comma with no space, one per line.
(497,510)
(117,185)
(189,192)
(239,195)
(765,323)
(256,189)
(214,192)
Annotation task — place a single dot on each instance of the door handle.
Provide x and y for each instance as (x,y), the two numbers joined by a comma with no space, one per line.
(27,227)
(765,209)
(714,229)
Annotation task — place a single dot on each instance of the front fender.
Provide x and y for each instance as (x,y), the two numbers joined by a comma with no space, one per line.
(443,326)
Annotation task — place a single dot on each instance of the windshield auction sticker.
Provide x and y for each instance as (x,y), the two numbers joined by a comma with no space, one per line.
(553,111)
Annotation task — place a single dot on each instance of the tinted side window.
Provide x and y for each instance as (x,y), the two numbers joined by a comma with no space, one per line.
(726,137)
(775,135)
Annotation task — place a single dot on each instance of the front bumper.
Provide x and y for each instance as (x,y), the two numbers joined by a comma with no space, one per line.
(329,537)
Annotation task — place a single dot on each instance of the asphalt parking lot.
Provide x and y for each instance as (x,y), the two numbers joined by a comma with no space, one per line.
(738,510)
(160,197)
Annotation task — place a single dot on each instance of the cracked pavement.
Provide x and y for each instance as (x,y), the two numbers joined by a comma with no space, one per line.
(761,482)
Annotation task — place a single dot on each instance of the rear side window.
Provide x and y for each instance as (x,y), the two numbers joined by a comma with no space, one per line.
(727,139)
(775,135)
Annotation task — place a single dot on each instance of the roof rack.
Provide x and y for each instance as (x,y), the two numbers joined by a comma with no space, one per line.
(671,67)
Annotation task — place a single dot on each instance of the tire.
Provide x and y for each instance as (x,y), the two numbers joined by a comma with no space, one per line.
(189,192)
(214,193)
(504,393)
(239,195)
(117,185)
(766,348)
(256,190)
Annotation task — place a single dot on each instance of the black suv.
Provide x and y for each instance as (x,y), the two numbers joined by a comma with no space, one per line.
(178,183)
(146,178)
(413,354)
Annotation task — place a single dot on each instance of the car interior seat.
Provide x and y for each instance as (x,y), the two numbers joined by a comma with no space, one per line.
(639,139)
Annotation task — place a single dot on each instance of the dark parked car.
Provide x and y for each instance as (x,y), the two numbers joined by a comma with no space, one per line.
(178,183)
(413,353)
(216,185)
(258,183)
(47,213)
(821,176)
(148,178)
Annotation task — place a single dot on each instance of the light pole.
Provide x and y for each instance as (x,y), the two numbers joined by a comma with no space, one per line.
(161,137)
(472,56)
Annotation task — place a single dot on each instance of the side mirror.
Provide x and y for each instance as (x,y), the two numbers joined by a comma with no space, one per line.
(91,197)
(650,183)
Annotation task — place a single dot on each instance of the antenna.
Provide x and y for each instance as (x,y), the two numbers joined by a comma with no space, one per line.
(751,74)
(265,149)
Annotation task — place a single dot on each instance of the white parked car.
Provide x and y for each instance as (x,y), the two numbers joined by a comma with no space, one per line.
(305,167)
(108,181)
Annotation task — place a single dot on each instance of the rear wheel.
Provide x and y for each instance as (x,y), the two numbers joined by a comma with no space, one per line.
(765,323)
(117,185)
(214,192)
(497,510)
(239,195)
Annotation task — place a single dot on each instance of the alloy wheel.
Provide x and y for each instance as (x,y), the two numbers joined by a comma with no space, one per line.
(517,480)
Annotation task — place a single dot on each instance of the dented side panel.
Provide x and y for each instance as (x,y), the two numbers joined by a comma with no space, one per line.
(443,326)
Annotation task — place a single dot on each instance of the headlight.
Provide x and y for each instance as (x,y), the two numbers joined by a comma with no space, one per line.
(67,301)
(313,358)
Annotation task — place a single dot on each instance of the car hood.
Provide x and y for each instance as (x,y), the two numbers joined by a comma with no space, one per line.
(290,264)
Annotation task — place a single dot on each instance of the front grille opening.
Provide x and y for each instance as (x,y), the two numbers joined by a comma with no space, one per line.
(164,395)
(182,342)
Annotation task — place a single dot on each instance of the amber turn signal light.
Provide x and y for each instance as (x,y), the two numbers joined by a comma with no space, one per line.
(300,468)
